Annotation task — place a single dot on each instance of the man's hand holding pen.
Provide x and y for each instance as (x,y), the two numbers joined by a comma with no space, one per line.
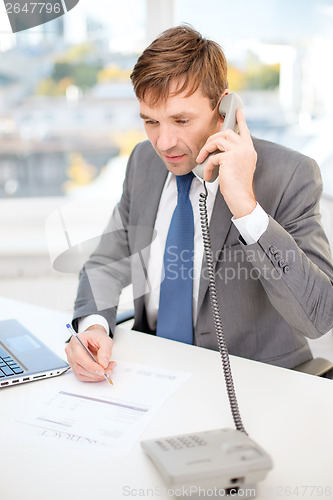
(100,345)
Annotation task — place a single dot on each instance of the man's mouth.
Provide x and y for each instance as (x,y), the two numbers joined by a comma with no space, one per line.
(174,158)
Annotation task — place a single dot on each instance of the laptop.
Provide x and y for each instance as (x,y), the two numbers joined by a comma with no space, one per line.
(24,358)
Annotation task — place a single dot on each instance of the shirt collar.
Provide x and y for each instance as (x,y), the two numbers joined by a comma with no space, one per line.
(212,187)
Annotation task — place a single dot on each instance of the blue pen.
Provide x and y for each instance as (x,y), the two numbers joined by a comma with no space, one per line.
(73,332)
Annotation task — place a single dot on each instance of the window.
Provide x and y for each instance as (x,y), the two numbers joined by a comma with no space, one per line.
(68,115)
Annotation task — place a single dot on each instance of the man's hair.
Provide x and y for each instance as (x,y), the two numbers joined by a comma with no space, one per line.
(180,54)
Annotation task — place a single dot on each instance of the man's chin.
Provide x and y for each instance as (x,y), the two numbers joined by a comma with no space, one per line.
(178,169)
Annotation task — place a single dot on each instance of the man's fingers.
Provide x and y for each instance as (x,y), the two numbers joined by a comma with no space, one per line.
(209,147)
(105,351)
(215,142)
(83,359)
(111,366)
(242,126)
(100,345)
(83,374)
(221,142)
(214,161)
(86,376)
(225,139)
(77,355)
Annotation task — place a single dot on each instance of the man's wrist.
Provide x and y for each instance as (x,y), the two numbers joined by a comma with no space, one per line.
(245,209)
(252,226)
(96,327)
(92,321)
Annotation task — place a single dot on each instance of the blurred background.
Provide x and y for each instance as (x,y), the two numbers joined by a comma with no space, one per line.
(69,117)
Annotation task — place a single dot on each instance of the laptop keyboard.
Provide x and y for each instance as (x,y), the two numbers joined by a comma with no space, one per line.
(8,365)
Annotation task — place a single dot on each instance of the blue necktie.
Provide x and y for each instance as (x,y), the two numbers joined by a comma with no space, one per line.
(174,320)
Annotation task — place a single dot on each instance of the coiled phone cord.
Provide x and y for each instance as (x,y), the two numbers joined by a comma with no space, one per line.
(216,313)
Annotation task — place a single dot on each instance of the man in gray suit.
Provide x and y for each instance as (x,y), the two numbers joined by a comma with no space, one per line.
(272,262)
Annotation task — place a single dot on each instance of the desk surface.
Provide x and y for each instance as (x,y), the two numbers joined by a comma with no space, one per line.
(287,413)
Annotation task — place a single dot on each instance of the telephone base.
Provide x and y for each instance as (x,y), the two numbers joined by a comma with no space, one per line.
(224,461)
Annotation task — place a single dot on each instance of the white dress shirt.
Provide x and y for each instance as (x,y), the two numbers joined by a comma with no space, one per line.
(251,227)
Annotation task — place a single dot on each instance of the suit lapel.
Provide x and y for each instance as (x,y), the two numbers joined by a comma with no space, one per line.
(151,188)
(219,227)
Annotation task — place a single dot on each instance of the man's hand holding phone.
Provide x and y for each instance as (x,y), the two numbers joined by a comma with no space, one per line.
(237,162)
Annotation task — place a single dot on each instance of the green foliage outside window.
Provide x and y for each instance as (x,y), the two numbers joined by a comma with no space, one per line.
(256,76)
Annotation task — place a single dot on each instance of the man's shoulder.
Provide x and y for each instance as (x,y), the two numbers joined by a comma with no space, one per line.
(277,153)
(280,169)
(144,151)
(144,163)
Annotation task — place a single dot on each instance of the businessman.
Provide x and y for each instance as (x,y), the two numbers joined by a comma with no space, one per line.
(272,263)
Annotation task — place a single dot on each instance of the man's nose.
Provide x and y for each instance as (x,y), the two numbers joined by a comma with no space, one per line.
(166,139)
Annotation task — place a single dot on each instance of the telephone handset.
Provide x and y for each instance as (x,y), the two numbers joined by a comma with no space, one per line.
(227,109)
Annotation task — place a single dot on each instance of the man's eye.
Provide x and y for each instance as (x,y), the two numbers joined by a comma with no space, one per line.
(150,122)
(182,122)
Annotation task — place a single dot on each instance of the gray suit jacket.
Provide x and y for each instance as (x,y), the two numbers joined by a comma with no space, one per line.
(271,293)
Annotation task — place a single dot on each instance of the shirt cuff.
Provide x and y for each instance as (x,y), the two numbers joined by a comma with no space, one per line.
(92,319)
(252,226)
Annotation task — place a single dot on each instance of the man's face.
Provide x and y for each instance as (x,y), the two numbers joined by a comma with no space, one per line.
(179,127)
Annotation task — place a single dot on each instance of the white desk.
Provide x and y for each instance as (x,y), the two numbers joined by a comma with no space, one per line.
(287,413)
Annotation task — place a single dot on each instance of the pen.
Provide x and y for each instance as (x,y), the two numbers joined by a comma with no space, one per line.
(73,332)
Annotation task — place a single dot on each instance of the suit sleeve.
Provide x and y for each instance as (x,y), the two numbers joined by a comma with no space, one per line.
(292,257)
(108,269)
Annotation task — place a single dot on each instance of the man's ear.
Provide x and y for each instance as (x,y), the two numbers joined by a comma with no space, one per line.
(220,119)
(225,92)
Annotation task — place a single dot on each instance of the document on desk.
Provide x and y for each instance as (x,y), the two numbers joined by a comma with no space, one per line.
(97,418)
